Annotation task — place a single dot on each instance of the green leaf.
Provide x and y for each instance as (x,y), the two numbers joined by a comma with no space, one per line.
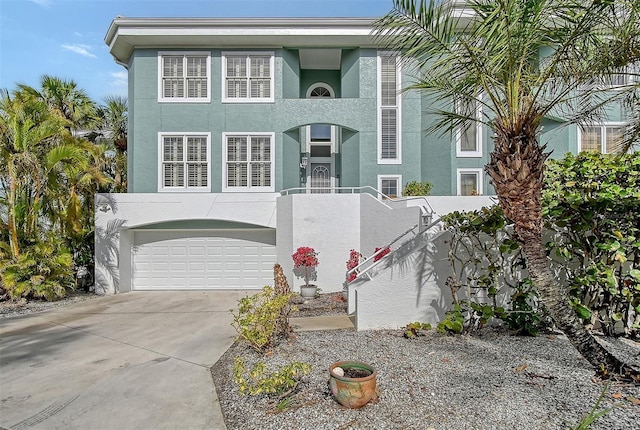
(583,312)
(477,221)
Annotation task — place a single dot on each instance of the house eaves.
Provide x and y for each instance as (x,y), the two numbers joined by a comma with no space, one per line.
(126,34)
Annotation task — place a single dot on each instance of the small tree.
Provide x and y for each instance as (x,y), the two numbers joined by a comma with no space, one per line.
(521,61)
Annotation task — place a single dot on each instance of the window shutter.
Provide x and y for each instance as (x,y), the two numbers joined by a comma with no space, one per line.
(389,133)
(389,86)
(614,139)
(591,139)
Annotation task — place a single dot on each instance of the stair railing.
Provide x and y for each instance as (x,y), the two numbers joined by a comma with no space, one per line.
(368,264)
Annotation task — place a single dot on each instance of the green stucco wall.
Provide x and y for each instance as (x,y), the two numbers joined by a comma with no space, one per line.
(425,156)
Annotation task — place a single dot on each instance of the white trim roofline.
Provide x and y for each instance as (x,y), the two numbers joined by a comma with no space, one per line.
(126,34)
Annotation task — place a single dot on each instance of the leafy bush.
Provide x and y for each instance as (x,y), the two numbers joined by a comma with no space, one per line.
(453,322)
(259,380)
(415,188)
(257,319)
(487,262)
(591,204)
(43,270)
(415,329)
(591,207)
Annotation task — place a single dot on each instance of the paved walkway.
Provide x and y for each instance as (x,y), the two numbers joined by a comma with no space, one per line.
(130,361)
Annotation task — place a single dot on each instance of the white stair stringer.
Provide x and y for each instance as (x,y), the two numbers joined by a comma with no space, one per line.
(407,285)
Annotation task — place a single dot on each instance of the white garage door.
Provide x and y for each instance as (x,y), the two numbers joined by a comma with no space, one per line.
(203,259)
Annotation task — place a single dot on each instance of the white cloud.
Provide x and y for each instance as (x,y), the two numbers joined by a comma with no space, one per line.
(77,33)
(79,48)
(119,82)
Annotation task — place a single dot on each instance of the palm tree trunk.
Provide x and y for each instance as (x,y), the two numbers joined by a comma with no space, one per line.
(517,171)
(11,213)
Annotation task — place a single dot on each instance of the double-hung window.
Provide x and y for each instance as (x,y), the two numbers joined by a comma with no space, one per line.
(184,77)
(606,138)
(389,101)
(184,160)
(249,162)
(389,185)
(247,77)
(625,76)
(469,182)
(469,135)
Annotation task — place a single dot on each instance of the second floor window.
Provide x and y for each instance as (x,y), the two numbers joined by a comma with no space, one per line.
(248,77)
(389,150)
(184,77)
(469,136)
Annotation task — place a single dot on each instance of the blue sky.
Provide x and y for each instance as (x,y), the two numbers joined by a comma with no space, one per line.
(65,38)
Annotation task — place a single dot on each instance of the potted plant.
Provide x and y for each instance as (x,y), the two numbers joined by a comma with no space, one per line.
(305,260)
(352,383)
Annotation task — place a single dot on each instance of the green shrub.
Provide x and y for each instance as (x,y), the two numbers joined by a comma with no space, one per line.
(415,329)
(257,318)
(259,380)
(453,322)
(591,207)
(415,188)
(42,270)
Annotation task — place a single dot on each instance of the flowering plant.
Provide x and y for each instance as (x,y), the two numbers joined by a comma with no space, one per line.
(384,252)
(354,260)
(305,259)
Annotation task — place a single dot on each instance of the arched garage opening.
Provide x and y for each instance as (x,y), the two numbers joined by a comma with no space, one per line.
(194,256)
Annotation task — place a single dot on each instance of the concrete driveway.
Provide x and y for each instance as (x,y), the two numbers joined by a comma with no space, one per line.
(130,361)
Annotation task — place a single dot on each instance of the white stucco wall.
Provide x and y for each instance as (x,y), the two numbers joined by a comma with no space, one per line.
(329,223)
(410,289)
(443,205)
(410,284)
(333,224)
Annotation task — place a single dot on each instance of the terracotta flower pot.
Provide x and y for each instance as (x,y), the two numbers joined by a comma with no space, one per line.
(352,392)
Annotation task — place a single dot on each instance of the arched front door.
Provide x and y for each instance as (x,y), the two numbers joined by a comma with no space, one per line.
(321,140)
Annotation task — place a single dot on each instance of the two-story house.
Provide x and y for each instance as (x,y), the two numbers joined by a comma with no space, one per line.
(251,137)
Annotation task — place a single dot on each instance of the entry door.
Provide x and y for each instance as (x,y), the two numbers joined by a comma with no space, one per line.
(320,177)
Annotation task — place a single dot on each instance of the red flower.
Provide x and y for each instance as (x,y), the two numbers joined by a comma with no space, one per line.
(384,252)
(306,258)
(354,260)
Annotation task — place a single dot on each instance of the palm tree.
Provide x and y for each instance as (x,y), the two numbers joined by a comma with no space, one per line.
(66,99)
(113,118)
(522,61)
(113,126)
(27,134)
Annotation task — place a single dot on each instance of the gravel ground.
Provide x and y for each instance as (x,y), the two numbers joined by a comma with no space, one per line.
(322,304)
(488,381)
(24,307)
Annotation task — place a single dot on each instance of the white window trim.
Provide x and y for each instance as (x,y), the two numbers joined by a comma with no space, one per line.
(332,93)
(630,73)
(162,99)
(185,188)
(398,159)
(398,178)
(248,188)
(478,172)
(248,99)
(458,135)
(603,126)
(331,142)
